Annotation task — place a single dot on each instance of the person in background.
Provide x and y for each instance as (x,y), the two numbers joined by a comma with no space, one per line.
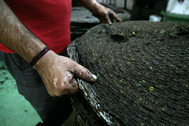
(179,7)
(34,35)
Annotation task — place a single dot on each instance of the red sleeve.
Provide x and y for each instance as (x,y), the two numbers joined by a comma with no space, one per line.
(49,20)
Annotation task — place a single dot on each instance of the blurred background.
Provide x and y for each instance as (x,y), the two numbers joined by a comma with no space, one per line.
(131,10)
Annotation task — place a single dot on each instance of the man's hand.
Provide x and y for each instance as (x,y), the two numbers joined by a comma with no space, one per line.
(57,73)
(105,15)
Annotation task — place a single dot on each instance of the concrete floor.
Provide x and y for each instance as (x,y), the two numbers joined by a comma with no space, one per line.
(15,110)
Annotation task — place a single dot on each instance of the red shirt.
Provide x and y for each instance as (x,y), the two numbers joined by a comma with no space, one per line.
(49,20)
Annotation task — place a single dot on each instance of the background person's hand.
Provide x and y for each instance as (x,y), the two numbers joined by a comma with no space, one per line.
(105,15)
(57,73)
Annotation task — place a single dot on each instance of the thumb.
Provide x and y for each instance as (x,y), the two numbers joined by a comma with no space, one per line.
(83,73)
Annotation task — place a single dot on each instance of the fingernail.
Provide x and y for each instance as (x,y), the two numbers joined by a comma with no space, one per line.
(94,77)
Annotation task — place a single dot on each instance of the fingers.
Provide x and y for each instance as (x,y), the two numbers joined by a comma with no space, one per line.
(70,80)
(64,85)
(110,17)
(65,82)
(114,17)
(70,85)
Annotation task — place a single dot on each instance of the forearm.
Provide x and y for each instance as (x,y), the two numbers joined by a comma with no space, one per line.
(16,36)
(90,4)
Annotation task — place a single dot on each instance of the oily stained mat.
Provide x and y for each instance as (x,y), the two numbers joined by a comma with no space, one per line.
(143,74)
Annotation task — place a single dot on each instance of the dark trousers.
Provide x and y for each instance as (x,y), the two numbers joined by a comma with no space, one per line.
(52,110)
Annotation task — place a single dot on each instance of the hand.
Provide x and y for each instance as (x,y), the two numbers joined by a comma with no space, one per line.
(57,73)
(105,15)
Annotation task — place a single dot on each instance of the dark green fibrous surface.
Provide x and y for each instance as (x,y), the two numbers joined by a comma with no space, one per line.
(143,73)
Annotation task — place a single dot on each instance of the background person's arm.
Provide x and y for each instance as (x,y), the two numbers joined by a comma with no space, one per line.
(105,15)
(57,72)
